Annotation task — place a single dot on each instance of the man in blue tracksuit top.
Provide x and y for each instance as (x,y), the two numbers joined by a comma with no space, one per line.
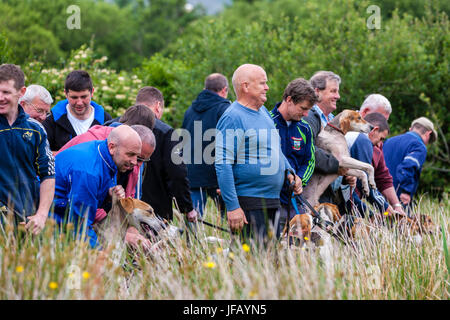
(87,173)
(199,120)
(27,170)
(405,155)
(249,163)
(296,138)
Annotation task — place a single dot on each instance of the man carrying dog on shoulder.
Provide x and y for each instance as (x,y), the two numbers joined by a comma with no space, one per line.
(86,174)
(296,139)
(27,168)
(249,163)
(326,85)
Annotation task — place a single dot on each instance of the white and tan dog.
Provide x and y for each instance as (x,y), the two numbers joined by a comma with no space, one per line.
(332,139)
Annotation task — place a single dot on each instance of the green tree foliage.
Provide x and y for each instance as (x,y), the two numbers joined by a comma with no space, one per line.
(406,59)
(126,32)
(5,50)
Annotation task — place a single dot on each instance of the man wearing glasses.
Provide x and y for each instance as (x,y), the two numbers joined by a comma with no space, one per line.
(36,102)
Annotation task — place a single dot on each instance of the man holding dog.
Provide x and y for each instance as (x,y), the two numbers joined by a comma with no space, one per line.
(87,173)
(296,138)
(249,163)
(27,171)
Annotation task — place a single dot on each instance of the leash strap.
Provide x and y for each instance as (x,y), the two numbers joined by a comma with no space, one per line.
(213,225)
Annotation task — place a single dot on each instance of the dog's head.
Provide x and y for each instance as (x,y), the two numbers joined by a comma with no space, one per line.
(328,212)
(142,216)
(299,228)
(426,224)
(351,120)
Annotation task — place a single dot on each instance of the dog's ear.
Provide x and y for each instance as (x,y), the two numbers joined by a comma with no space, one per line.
(142,205)
(344,125)
(127,204)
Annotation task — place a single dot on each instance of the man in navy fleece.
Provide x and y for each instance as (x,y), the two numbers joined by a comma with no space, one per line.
(201,118)
(249,163)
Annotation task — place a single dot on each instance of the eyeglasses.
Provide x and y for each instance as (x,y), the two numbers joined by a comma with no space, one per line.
(139,159)
(39,110)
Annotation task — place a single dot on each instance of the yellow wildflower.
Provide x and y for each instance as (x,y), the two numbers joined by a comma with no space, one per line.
(245,247)
(219,250)
(19,269)
(86,275)
(53,285)
(209,264)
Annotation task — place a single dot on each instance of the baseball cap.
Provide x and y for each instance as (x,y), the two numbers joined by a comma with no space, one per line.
(428,125)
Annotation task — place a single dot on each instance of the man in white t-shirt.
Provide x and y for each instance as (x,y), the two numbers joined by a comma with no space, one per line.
(76,114)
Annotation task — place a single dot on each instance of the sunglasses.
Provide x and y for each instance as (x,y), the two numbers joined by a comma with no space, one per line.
(142,159)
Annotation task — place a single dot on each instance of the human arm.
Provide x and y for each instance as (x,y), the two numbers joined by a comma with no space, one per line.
(46,192)
(408,171)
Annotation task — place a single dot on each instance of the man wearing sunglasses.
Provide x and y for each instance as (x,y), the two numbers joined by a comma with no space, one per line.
(36,102)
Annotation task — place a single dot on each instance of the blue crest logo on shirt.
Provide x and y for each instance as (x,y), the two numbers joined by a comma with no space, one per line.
(296,143)
(27,135)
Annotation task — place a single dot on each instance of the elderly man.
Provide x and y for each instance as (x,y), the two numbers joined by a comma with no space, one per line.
(77,113)
(405,155)
(87,173)
(249,163)
(27,168)
(202,116)
(296,137)
(36,102)
(377,103)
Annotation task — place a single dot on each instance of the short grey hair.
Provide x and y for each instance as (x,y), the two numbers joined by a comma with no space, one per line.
(35,90)
(374,101)
(216,82)
(320,78)
(145,134)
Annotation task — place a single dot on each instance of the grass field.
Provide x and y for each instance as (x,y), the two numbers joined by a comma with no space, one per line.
(386,265)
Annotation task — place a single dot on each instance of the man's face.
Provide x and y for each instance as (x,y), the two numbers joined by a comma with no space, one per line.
(377,136)
(328,97)
(125,155)
(257,87)
(37,109)
(297,111)
(9,97)
(145,155)
(79,102)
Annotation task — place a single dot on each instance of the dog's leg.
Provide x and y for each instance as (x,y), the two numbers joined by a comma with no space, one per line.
(361,175)
(349,162)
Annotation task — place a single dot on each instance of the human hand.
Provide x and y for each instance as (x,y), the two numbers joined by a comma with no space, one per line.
(351,181)
(117,191)
(192,216)
(136,240)
(298,189)
(342,171)
(405,198)
(236,219)
(35,223)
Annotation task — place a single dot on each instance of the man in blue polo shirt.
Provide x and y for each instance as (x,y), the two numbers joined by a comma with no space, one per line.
(296,137)
(249,163)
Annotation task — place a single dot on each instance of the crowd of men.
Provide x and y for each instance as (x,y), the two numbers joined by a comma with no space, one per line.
(67,161)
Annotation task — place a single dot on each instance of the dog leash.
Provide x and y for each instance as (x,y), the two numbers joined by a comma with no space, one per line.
(213,225)
(336,128)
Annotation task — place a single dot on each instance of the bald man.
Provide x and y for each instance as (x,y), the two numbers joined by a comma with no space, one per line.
(249,163)
(86,177)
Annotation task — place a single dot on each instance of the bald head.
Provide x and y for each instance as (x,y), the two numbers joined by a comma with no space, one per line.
(124,145)
(250,85)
